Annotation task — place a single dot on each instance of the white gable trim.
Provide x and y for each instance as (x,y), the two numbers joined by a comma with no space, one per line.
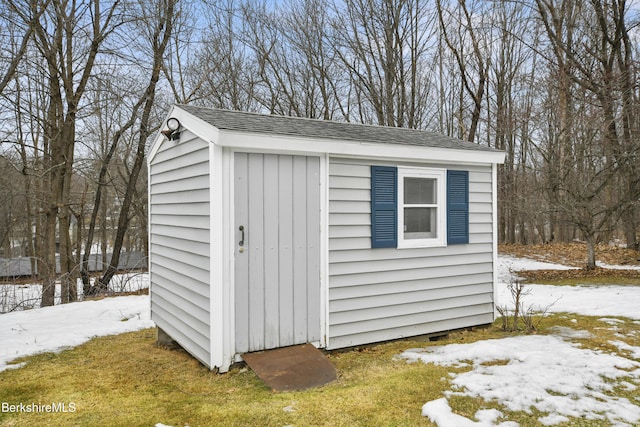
(260,142)
(188,121)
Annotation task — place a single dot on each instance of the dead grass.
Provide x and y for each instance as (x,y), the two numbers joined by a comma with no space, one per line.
(126,380)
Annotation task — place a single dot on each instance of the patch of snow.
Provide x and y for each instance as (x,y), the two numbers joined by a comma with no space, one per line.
(509,266)
(290,408)
(556,377)
(553,419)
(570,333)
(635,351)
(611,321)
(623,301)
(24,333)
(440,413)
(617,267)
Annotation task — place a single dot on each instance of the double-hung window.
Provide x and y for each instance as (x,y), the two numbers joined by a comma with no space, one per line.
(418,207)
(421,207)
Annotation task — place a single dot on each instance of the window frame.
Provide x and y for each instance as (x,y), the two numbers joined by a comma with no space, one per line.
(440,175)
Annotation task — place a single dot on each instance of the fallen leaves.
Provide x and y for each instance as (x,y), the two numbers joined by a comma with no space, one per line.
(573,254)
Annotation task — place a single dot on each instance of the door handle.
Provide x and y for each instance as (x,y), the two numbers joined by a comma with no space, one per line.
(241,242)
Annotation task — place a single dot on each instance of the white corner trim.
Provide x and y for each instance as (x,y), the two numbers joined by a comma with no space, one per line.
(494,219)
(324,250)
(217,295)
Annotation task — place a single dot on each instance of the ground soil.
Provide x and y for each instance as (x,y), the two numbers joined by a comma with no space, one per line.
(574,254)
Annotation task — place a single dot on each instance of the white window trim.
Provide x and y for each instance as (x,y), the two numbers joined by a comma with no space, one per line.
(440,175)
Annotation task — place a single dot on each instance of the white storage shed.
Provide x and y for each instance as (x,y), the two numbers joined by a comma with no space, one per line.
(270,231)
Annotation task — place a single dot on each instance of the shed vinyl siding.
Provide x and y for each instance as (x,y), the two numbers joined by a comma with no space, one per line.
(386,293)
(179,242)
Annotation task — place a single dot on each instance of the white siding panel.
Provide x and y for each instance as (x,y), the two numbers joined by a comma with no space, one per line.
(198,248)
(192,183)
(183,301)
(431,326)
(198,169)
(349,244)
(342,231)
(194,221)
(179,197)
(359,195)
(185,232)
(179,328)
(349,292)
(421,317)
(404,299)
(338,168)
(360,183)
(187,161)
(350,219)
(391,276)
(380,294)
(184,257)
(179,243)
(348,206)
(187,209)
(336,257)
(404,264)
(183,283)
(406,307)
(171,149)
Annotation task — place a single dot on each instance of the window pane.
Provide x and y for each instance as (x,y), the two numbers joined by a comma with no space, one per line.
(420,191)
(420,223)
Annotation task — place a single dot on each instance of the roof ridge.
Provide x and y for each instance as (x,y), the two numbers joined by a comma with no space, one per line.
(315,120)
(245,121)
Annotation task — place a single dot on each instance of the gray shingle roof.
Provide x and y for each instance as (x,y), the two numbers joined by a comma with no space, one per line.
(312,128)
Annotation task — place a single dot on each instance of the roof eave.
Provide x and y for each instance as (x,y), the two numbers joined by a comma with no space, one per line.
(246,141)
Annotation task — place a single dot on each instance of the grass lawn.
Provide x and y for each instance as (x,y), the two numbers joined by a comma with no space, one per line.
(126,380)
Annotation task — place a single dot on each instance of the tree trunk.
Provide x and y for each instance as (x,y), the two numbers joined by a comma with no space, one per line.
(49,276)
(630,226)
(591,251)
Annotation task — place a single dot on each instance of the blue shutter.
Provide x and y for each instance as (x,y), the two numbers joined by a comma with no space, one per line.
(384,206)
(457,207)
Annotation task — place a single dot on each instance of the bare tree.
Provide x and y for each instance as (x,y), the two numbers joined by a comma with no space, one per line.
(70,62)
(160,20)
(474,66)
(19,17)
(383,46)
(102,182)
(595,156)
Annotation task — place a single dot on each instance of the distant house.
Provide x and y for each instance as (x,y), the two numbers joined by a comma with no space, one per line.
(269,231)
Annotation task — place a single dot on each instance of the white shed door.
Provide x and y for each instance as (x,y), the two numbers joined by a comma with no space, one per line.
(277,250)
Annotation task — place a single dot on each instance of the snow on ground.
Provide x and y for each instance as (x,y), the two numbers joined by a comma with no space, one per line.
(509,266)
(548,373)
(603,300)
(24,333)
